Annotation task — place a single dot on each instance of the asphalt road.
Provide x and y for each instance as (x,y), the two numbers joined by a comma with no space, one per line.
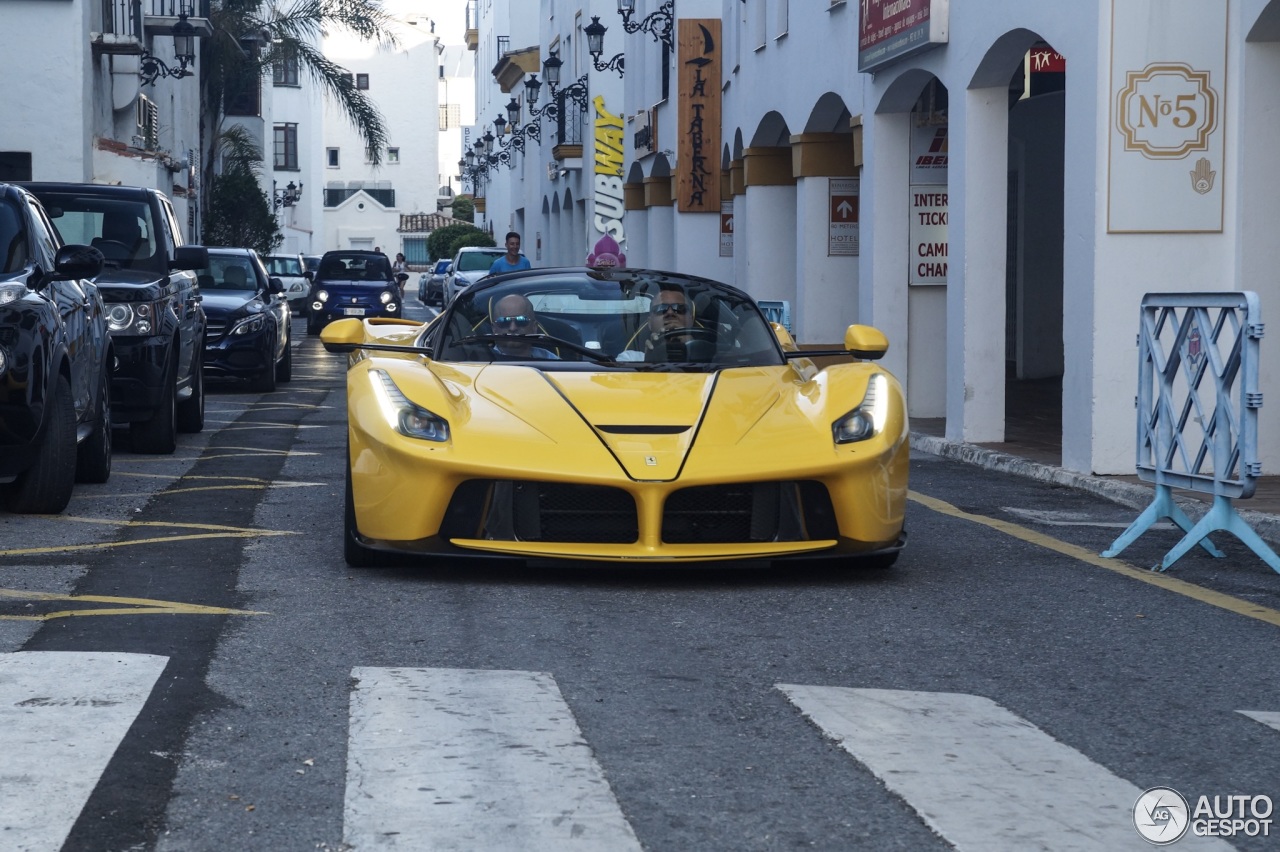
(1000,688)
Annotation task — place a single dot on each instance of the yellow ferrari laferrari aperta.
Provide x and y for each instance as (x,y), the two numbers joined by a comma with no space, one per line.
(619,415)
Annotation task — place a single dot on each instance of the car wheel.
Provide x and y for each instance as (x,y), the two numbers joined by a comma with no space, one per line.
(266,381)
(356,554)
(158,434)
(45,486)
(93,456)
(284,370)
(191,409)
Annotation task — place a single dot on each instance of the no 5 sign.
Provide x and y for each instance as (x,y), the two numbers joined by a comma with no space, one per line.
(1166,151)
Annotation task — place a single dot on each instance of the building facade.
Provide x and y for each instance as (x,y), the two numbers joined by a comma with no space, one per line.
(995,185)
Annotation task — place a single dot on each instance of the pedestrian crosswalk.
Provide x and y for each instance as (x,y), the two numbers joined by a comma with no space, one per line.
(495,760)
(61,717)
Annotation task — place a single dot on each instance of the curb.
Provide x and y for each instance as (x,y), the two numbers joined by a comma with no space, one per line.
(1135,496)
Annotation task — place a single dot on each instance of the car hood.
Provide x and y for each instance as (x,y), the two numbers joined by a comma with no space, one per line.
(130,285)
(649,422)
(218,303)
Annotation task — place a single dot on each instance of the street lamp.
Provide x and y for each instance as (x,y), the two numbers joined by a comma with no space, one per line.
(184,51)
(287,197)
(658,24)
(595,46)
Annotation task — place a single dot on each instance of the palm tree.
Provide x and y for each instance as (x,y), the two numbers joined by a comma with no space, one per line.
(250,36)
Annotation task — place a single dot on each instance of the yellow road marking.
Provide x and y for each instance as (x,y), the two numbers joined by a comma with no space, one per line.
(1154,578)
(70,548)
(122,606)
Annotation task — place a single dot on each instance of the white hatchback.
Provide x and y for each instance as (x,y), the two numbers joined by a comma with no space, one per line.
(290,269)
(469,265)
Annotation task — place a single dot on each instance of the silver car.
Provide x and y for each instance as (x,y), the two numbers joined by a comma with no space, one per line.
(290,269)
(469,266)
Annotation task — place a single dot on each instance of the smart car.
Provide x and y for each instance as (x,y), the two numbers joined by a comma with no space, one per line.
(352,284)
(625,416)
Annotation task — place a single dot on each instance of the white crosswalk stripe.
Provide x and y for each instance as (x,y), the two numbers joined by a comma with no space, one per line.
(1271,720)
(980,776)
(459,759)
(62,715)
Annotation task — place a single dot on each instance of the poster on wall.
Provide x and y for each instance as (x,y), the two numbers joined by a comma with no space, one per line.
(889,30)
(726,229)
(842,217)
(1168,97)
(928,234)
(928,208)
(698,114)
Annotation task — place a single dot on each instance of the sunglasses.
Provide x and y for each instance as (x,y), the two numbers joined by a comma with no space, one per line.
(670,307)
(519,319)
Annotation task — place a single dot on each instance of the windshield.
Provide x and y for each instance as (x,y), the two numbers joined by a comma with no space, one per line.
(227,272)
(470,261)
(284,266)
(619,319)
(361,267)
(122,229)
(13,239)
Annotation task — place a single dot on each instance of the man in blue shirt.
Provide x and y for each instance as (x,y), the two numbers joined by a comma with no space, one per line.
(513,260)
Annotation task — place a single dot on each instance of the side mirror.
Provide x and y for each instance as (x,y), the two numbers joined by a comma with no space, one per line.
(76,261)
(864,341)
(784,337)
(189,257)
(309,275)
(402,277)
(342,335)
(275,285)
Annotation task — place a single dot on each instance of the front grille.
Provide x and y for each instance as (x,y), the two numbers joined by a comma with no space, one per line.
(215,327)
(509,510)
(747,512)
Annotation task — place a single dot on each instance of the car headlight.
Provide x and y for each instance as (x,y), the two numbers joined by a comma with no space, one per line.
(322,295)
(133,317)
(460,281)
(868,419)
(249,325)
(408,418)
(12,292)
(386,297)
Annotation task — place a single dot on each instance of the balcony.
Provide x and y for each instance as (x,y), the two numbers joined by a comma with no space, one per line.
(473,26)
(125,23)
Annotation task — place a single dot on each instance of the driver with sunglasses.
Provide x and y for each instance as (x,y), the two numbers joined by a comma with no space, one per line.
(670,314)
(513,316)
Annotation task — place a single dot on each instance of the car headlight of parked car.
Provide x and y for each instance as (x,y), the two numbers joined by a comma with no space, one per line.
(250,325)
(133,317)
(406,417)
(12,292)
(868,418)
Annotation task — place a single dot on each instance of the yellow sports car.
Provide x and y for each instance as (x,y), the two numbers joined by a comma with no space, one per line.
(617,415)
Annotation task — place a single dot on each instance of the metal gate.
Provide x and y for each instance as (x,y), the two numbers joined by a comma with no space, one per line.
(1198,404)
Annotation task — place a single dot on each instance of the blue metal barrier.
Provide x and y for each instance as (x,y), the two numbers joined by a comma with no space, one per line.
(778,311)
(1198,402)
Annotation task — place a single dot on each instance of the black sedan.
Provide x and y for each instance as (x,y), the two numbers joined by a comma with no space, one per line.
(248,335)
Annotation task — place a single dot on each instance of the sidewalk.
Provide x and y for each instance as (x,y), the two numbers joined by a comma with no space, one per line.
(1034,454)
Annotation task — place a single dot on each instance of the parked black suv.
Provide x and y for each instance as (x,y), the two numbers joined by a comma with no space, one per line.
(153,304)
(55,362)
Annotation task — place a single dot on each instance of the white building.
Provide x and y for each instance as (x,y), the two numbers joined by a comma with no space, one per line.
(363,203)
(994,184)
(92,97)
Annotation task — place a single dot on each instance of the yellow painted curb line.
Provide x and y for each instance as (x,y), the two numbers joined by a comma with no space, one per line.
(124,606)
(1154,578)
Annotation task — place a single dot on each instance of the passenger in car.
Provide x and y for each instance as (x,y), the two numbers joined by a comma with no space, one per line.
(511,317)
